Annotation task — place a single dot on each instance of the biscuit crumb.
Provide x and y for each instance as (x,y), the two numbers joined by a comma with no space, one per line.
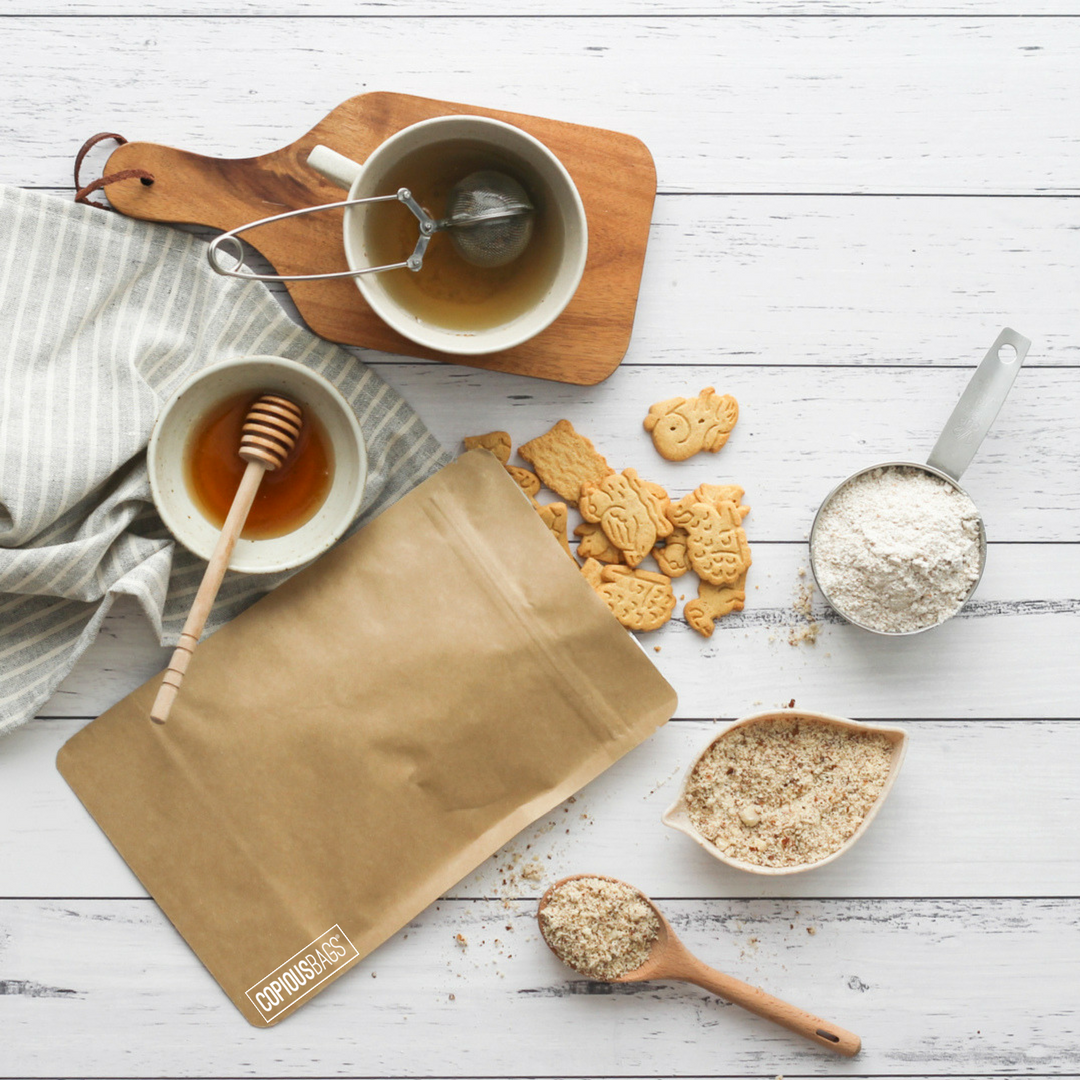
(533,872)
(461,941)
(805,629)
(656,648)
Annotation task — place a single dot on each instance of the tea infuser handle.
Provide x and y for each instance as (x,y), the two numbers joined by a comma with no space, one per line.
(979,404)
(228,241)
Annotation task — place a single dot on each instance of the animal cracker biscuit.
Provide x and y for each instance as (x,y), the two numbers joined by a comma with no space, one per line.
(671,555)
(595,543)
(498,442)
(681,427)
(714,602)
(716,544)
(639,599)
(555,516)
(631,511)
(528,482)
(564,460)
(718,493)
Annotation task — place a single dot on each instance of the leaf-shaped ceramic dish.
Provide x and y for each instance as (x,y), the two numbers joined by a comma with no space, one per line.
(678,815)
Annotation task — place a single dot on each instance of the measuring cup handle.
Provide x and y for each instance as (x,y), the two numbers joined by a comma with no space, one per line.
(979,404)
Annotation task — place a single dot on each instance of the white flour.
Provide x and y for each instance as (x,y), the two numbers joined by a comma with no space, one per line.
(897,549)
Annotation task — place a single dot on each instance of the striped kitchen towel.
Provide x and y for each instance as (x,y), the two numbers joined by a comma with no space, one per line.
(101,318)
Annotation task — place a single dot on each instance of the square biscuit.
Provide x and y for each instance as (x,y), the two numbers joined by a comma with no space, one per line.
(564,460)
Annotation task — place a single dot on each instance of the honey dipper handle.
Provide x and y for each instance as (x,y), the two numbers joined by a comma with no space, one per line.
(208,590)
(757,1001)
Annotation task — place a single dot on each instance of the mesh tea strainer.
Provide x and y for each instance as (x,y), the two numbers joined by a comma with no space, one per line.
(489,218)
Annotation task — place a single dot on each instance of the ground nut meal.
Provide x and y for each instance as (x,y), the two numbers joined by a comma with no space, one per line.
(786,791)
(601,928)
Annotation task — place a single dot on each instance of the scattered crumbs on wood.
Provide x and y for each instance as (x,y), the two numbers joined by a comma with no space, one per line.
(805,629)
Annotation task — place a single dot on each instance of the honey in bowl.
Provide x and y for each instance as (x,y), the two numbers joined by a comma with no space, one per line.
(447,290)
(288,496)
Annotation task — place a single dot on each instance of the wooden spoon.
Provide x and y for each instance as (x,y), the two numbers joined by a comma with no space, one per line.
(268,436)
(670,959)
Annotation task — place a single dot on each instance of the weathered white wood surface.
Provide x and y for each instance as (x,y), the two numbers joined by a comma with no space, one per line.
(545,8)
(854,198)
(907,282)
(957,824)
(1013,653)
(955,986)
(938,105)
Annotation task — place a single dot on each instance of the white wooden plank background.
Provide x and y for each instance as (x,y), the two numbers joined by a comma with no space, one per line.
(854,198)
(972,106)
(900,968)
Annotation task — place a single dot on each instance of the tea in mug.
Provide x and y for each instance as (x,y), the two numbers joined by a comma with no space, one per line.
(287,497)
(447,290)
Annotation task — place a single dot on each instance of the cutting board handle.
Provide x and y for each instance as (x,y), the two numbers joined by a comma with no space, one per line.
(614,174)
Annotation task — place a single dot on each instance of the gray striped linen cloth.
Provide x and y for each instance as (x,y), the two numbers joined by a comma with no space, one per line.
(101,318)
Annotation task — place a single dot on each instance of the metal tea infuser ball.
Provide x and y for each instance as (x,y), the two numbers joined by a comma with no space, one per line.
(489,219)
(964,432)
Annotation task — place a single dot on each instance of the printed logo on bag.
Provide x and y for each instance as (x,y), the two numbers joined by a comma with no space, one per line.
(302,973)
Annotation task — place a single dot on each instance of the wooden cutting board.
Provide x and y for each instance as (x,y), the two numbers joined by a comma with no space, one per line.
(614,174)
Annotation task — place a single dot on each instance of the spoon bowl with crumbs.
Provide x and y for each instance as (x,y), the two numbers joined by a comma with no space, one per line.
(605,929)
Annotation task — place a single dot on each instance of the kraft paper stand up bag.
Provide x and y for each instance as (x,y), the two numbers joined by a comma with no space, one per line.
(361,739)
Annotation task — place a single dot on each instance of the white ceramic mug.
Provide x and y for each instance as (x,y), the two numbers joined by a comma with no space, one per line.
(565,210)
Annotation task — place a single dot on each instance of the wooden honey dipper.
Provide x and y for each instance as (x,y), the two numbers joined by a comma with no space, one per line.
(268,436)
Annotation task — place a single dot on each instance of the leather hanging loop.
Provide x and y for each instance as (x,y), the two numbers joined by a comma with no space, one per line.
(82,193)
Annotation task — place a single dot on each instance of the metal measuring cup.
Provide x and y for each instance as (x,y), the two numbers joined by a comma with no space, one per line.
(964,431)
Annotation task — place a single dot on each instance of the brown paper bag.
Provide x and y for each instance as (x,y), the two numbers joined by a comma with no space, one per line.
(361,739)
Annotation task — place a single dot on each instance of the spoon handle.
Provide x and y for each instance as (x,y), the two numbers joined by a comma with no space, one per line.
(757,1001)
(208,590)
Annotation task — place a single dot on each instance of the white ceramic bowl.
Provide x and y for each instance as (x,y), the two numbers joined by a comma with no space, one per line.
(565,207)
(677,815)
(204,390)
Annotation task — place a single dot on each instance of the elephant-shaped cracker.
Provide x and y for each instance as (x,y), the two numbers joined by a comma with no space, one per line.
(631,511)
(681,427)
(639,599)
(716,544)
